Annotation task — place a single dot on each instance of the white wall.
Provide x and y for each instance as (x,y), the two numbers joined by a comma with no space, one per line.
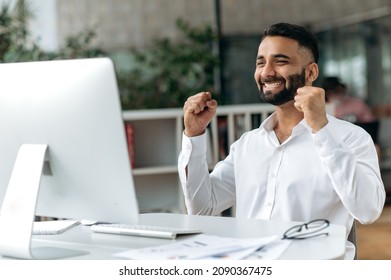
(124,23)
(44,24)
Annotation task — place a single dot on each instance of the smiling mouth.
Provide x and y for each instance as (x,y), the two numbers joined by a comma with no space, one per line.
(272,85)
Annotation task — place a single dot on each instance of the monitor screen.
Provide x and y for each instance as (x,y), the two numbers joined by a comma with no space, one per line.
(73,107)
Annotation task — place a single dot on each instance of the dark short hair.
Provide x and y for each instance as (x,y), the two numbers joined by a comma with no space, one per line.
(303,36)
(332,83)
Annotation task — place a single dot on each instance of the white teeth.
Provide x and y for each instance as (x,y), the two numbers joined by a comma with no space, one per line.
(272,85)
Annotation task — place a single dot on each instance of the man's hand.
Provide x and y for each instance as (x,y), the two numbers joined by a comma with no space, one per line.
(198,111)
(311,101)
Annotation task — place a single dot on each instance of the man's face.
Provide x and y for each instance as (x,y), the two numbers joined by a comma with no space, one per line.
(280,69)
(291,84)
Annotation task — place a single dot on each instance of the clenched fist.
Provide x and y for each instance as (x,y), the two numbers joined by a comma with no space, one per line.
(311,101)
(198,110)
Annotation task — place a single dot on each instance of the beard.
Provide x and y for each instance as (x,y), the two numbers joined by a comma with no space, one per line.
(287,94)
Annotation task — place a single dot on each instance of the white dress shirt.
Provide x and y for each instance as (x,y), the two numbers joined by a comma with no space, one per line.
(332,174)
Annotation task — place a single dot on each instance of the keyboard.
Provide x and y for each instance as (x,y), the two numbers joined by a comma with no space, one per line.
(143,230)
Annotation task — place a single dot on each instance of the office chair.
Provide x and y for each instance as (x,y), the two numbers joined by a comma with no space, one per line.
(372,128)
(352,237)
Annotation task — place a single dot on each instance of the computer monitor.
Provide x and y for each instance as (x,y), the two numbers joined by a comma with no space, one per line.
(68,113)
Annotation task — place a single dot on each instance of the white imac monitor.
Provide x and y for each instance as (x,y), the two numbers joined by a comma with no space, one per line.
(63,149)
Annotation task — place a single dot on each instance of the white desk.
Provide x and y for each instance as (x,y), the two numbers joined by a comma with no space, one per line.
(102,246)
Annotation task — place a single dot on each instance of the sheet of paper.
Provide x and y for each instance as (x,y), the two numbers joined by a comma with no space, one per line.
(271,251)
(53,227)
(201,246)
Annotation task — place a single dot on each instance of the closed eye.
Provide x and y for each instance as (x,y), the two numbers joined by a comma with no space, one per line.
(282,62)
(260,63)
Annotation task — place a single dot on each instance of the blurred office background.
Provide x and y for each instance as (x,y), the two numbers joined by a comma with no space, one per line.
(354,38)
(354,34)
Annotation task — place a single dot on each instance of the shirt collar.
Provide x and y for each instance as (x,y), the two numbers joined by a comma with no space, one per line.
(271,122)
(302,125)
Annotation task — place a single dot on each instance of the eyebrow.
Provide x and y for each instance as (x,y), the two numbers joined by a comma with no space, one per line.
(279,55)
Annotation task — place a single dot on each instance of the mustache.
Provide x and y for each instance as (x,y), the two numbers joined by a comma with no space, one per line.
(271,80)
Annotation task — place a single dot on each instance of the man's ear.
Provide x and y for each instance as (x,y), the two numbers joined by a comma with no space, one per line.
(312,72)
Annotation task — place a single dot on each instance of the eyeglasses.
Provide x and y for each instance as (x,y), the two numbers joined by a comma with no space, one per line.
(307,230)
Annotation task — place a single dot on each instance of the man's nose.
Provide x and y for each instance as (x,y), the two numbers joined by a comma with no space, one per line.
(268,70)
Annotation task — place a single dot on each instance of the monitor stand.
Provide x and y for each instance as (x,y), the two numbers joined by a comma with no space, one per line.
(18,210)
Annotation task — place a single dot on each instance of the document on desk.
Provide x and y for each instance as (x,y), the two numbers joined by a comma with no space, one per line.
(53,227)
(203,246)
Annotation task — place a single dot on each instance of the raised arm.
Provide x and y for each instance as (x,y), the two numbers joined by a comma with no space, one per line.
(198,111)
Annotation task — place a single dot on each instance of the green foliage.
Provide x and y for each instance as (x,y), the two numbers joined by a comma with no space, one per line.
(17,45)
(79,46)
(166,74)
(162,76)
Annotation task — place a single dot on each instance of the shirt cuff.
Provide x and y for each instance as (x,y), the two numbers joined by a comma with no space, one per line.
(194,146)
